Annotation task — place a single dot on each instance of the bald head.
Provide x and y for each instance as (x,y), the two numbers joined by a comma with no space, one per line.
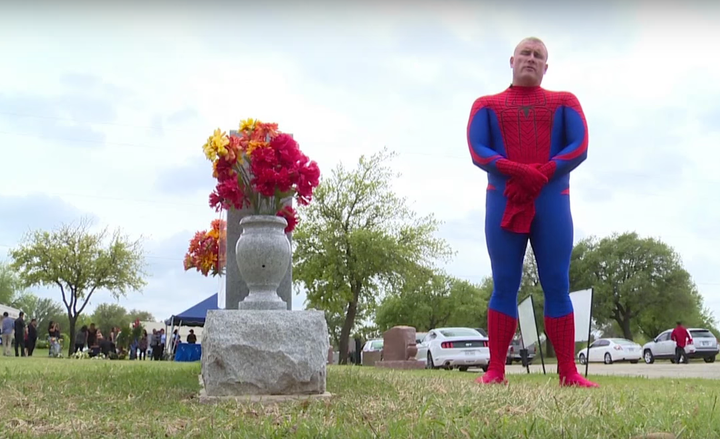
(532,40)
(529,62)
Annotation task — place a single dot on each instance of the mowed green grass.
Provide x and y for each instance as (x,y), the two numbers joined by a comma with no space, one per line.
(43,397)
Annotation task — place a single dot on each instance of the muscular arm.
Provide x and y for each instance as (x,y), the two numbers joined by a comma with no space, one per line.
(576,133)
(478,137)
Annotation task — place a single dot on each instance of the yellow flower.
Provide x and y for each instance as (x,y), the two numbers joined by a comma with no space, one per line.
(209,151)
(216,145)
(213,233)
(248,124)
(220,141)
(207,262)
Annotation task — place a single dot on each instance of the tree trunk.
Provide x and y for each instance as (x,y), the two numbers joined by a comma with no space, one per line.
(625,325)
(73,320)
(345,332)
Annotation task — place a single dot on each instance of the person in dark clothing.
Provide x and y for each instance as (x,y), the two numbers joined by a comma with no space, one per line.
(192,338)
(32,337)
(107,347)
(20,335)
(156,345)
(143,344)
(682,338)
(91,336)
(81,339)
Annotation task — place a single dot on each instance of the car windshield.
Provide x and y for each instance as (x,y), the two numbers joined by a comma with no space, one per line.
(377,344)
(623,341)
(459,332)
(702,333)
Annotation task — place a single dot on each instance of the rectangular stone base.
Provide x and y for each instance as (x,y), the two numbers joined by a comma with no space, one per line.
(257,399)
(249,352)
(407,364)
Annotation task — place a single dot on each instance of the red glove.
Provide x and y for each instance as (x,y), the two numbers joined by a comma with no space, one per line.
(547,169)
(527,176)
(515,193)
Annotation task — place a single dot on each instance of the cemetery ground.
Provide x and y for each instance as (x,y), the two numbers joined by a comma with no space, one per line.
(44,397)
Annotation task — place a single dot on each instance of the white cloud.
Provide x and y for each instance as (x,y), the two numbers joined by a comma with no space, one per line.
(108,114)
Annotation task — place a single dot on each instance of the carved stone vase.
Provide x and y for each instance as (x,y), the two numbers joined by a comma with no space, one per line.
(263,255)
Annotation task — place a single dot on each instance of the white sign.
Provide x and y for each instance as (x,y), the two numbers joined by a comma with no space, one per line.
(221,292)
(582,306)
(526,318)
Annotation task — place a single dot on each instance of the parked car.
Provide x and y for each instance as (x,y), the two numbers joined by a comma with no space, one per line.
(419,337)
(514,351)
(611,350)
(703,345)
(451,348)
(482,332)
(373,347)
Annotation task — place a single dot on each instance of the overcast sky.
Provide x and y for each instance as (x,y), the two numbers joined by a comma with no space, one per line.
(103,112)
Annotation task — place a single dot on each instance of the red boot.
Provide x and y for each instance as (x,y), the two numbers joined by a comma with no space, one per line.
(561,331)
(501,329)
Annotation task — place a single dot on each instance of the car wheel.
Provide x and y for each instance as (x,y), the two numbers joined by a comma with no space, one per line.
(508,361)
(709,359)
(648,357)
(608,358)
(463,368)
(484,368)
(581,358)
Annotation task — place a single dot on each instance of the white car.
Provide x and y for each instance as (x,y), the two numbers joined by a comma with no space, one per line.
(451,348)
(611,350)
(704,345)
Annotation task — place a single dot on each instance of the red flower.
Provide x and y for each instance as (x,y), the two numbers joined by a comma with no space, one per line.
(275,167)
(308,179)
(227,194)
(224,169)
(290,216)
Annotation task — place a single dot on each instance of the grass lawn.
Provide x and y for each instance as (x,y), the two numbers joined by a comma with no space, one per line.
(47,397)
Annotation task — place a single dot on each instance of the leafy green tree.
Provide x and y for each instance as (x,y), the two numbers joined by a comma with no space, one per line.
(79,262)
(143,316)
(9,284)
(358,239)
(433,299)
(42,309)
(639,283)
(109,315)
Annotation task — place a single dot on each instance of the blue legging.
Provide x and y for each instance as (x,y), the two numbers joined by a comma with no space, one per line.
(551,237)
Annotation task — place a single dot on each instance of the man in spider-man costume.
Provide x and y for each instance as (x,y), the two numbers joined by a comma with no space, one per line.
(528,139)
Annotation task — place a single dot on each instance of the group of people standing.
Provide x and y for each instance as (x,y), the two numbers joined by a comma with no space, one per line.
(15,332)
(18,334)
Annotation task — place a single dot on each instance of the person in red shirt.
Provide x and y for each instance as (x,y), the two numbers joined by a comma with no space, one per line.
(682,338)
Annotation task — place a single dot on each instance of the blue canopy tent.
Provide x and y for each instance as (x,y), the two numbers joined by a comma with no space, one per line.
(194,316)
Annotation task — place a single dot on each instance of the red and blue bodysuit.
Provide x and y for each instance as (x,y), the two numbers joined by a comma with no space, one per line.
(528,140)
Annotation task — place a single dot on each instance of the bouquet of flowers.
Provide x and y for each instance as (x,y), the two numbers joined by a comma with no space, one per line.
(260,168)
(207,250)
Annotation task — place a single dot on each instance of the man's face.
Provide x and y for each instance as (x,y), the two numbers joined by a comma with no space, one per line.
(529,63)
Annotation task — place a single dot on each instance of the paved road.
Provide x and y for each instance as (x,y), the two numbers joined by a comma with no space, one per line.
(659,369)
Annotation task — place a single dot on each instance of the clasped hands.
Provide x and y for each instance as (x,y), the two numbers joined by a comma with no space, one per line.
(526,182)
